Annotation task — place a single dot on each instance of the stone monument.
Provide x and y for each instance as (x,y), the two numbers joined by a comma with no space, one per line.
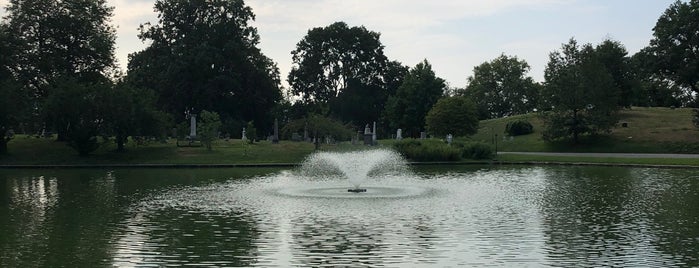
(275,138)
(399,134)
(367,135)
(192,126)
(373,135)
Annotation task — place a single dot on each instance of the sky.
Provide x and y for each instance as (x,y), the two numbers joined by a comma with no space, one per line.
(453,35)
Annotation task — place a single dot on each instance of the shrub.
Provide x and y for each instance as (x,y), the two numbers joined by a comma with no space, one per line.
(427,151)
(477,150)
(519,127)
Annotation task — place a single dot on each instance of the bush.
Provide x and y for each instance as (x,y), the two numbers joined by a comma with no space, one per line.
(519,127)
(427,151)
(477,150)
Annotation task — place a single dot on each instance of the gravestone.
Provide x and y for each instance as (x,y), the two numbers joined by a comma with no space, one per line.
(275,138)
(450,138)
(192,126)
(243,137)
(367,135)
(399,134)
(423,135)
(373,135)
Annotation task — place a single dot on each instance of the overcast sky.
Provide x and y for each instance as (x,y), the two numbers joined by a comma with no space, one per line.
(453,35)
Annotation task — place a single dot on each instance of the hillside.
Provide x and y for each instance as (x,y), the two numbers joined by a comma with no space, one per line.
(649,130)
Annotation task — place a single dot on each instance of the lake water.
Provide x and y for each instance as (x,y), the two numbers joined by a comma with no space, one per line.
(522,216)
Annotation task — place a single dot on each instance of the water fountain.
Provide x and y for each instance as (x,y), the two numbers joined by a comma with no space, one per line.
(356,166)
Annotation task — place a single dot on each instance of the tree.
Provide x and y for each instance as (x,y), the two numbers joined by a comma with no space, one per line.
(579,96)
(614,57)
(319,126)
(78,113)
(12,101)
(59,39)
(655,89)
(420,90)
(204,56)
(130,111)
(328,60)
(251,132)
(501,88)
(674,45)
(453,115)
(208,127)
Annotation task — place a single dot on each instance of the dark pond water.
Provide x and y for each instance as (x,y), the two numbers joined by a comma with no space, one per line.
(447,216)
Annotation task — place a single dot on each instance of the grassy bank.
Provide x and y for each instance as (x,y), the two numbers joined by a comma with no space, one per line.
(649,130)
(37,151)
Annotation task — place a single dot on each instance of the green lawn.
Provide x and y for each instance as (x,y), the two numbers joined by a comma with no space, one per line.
(30,150)
(650,130)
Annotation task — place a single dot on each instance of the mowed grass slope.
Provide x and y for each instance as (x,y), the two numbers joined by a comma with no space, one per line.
(650,130)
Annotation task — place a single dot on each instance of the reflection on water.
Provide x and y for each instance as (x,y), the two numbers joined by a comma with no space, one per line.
(465,216)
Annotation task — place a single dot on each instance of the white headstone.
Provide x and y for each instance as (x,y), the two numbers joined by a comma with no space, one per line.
(373,134)
(243,136)
(193,125)
(399,134)
(450,138)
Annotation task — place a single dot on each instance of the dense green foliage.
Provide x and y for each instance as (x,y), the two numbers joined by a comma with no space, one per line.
(341,71)
(130,111)
(434,150)
(579,97)
(80,117)
(617,63)
(518,128)
(207,128)
(12,101)
(203,55)
(475,150)
(251,132)
(674,45)
(417,150)
(318,127)
(55,40)
(452,115)
(419,91)
(501,88)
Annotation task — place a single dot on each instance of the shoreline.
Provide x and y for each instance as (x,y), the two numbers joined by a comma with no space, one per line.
(290,165)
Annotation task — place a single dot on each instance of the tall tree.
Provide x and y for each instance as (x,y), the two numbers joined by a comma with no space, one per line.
(129,111)
(579,96)
(615,59)
(420,90)
(501,88)
(79,116)
(204,56)
(675,44)
(12,101)
(654,88)
(56,40)
(329,60)
(69,38)
(453,115)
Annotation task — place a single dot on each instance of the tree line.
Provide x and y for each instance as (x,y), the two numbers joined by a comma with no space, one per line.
(58,74)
